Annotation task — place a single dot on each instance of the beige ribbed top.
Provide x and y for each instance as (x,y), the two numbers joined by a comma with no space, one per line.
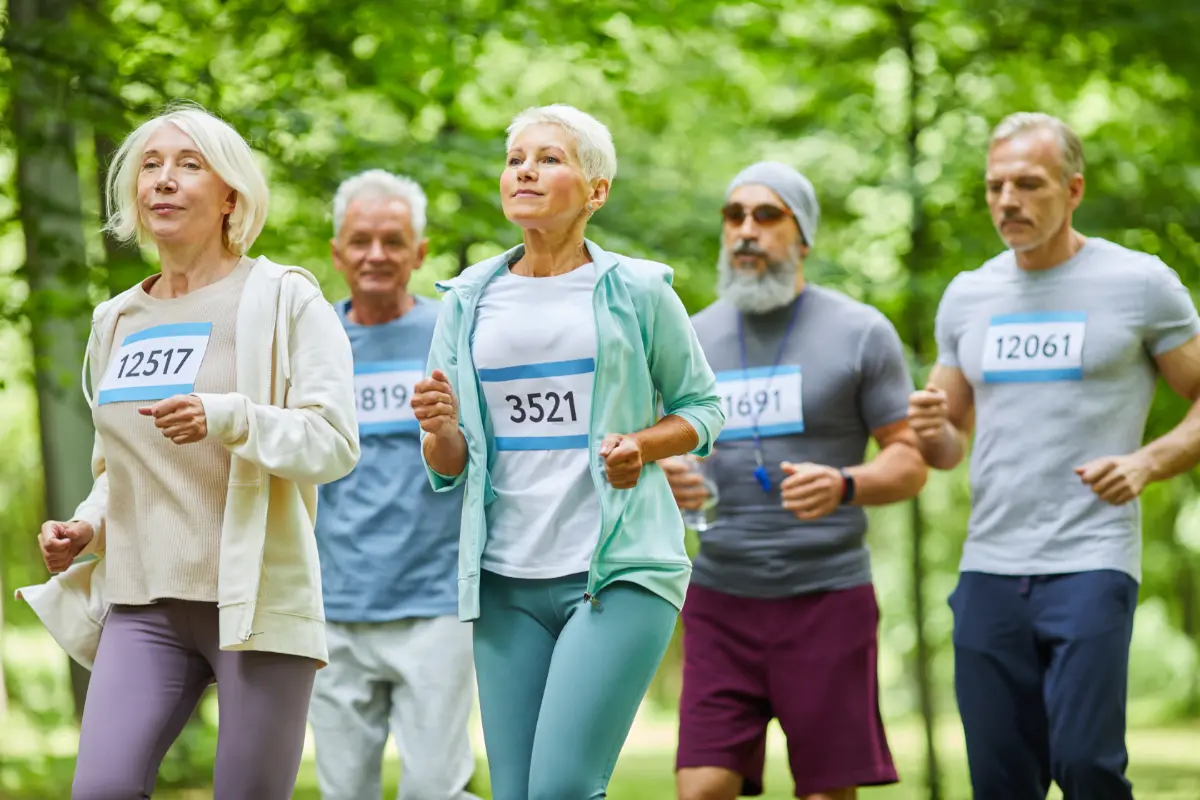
(166,501)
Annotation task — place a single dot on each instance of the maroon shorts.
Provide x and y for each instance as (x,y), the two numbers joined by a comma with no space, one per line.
(809,661)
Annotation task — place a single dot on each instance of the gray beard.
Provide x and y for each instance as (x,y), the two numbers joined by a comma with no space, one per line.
(757,294)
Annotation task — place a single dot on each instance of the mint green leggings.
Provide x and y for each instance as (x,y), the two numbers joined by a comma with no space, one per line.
(560,680)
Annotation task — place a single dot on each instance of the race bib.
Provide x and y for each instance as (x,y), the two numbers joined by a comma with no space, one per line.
(767,397)
(1039,346)
(382,391)
(540,406)
(156,363)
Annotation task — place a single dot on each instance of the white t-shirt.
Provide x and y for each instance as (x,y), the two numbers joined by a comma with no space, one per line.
(534,348)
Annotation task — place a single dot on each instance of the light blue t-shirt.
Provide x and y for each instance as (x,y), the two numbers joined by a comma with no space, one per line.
(1061,362)
(388,543)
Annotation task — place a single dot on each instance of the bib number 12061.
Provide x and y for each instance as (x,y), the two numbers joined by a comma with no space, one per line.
(1010,347)
(1037,346)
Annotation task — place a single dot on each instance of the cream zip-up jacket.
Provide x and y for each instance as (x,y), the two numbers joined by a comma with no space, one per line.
(289,427)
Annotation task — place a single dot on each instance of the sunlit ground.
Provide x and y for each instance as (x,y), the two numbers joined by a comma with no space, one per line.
(36,763)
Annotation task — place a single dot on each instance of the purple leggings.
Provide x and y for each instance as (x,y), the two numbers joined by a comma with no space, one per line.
(153,664)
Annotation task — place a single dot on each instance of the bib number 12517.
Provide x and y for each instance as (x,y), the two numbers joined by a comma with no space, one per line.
(156,363)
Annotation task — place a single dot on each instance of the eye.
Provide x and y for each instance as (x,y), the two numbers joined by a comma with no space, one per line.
(994,187)
(192,164)
(148,165)
(550,159)
(514,161)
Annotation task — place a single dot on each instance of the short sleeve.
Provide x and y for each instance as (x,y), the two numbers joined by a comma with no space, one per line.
(1171,318)
(945,332)
(886,381)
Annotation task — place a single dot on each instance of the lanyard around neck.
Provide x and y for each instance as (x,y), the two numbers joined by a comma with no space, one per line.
(760,473)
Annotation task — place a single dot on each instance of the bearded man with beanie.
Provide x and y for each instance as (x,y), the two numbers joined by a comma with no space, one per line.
(781,619)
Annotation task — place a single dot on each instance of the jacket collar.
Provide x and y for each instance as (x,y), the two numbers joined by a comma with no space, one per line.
(474,278)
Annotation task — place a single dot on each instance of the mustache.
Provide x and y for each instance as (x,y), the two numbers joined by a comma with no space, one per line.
(1015,217)
(748,247)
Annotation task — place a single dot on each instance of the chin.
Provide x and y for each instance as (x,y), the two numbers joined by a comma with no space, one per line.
(1022,245)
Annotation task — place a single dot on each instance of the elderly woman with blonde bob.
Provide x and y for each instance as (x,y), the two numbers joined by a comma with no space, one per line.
(546,374)
(221,396)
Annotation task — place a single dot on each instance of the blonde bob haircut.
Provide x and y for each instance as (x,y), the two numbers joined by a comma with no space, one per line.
(226,153)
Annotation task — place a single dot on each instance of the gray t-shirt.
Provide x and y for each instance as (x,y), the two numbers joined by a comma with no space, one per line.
(1061,364)
(842,375)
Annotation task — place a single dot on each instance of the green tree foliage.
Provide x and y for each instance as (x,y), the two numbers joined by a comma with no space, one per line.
(886,105)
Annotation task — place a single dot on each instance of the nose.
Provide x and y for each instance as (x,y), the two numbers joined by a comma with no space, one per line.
(1008,197)
(748,229)
(376,253)
(166,179)
(526,171)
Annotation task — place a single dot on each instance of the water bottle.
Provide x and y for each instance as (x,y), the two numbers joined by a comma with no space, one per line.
(705,517)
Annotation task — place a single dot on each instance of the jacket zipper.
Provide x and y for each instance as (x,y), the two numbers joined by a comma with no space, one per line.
(589,595)
(248,626)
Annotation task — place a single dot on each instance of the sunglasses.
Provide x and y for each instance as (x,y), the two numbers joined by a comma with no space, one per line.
(766,214)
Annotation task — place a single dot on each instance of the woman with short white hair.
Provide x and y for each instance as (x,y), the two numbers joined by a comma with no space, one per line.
(548,367)
(223,395)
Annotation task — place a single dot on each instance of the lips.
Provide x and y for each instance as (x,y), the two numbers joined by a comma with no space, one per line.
(162,207)
(526,193)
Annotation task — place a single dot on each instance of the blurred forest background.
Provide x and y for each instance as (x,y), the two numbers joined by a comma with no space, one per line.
(885,105)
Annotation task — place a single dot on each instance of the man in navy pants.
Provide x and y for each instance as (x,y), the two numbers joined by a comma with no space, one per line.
(1050,353)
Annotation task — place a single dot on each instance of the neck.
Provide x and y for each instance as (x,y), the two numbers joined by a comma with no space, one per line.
(376,309)
(800,284)
(549,253)
(1060,247)
(188,266)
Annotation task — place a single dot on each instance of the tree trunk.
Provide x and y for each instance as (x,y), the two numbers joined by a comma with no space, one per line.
(916,316)
(123,262)
(51,216)
(3,688)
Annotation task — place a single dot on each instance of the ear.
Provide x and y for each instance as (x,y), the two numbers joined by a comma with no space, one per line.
(336,256)
(422,251)
(1075,187)
(230,202)
(598,195)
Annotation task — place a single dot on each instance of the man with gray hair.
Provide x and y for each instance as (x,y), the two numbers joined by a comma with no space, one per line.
(1050,353)
(781,618)
(399,659)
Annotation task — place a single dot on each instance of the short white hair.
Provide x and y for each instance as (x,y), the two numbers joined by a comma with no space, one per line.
(593,141)
(226,152)
(380,183)
(1068,140)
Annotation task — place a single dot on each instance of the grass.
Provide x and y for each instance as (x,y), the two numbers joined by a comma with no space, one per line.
(37,745)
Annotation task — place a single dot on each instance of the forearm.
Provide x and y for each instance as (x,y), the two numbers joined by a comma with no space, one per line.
(670,436)
(947,451)
(446,454)
(896,474)
(1177,451)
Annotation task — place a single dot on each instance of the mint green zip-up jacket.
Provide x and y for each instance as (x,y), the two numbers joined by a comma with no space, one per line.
(647,353)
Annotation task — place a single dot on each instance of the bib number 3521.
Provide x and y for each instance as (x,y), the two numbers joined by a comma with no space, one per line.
(1044,346)
(543,406)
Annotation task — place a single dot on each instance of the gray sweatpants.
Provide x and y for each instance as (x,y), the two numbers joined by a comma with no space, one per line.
(153,664)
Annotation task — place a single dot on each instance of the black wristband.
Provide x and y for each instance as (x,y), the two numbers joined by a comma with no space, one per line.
(847,487)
